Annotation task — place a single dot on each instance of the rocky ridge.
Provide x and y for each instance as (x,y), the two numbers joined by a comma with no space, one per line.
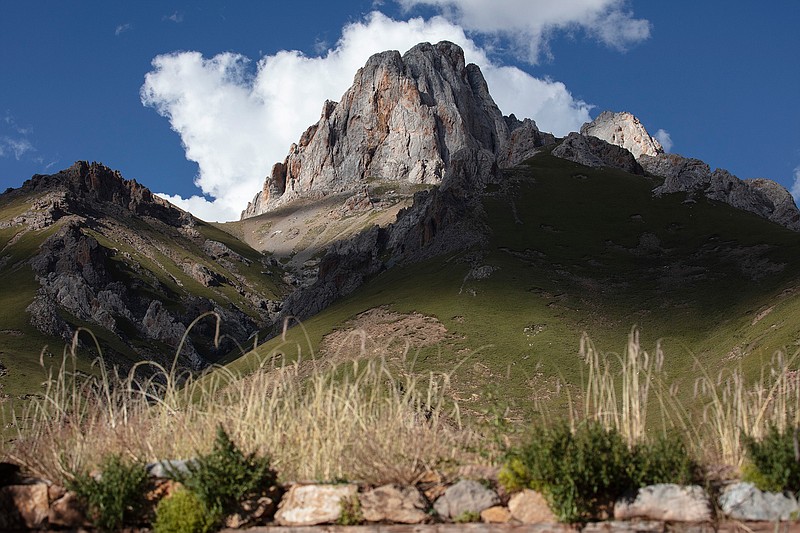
(623,130)
(115,256)
(763,197)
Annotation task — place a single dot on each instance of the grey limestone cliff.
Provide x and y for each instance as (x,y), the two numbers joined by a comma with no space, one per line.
(420,117)
(624,130)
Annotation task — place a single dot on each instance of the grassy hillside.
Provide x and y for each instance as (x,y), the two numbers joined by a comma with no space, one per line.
(573,250)
(146,256)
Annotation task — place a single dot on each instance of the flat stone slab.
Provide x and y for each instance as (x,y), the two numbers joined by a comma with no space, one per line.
(466,496)
(308,505)
(666,502)
(743,501)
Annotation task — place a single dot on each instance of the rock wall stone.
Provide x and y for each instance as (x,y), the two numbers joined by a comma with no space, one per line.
(666,502)
(743,501)
(308,505)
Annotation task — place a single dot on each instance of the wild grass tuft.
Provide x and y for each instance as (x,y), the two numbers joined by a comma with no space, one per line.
(375,420)
(362,420)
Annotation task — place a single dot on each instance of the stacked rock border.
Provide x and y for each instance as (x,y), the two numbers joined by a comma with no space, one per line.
(473,505)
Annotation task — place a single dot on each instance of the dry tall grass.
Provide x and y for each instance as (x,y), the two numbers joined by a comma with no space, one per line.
(620,391)
(360,421)
(733,407)
(369,420)
(617,389)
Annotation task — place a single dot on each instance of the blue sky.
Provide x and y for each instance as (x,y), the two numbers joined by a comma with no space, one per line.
(199,99)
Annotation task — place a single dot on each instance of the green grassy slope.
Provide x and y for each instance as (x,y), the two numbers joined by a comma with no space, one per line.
(144,255)
(576,249)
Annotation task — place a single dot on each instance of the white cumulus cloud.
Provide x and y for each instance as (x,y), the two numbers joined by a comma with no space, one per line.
(795,190)
(236,118)
(529,24)
(665,139)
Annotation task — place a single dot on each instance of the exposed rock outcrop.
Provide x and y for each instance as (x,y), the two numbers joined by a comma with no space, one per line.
(624,130)
(524,141)
(763,197)
(439,221)
(86,184)
(120,258)
(594,152)
(418,117)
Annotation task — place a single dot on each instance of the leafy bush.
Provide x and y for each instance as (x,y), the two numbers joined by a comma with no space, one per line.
(579,473)
(663,460)
(226,476)
(117,496)
(772,463)
(183,512)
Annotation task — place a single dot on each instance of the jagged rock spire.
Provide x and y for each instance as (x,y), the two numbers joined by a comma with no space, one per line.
(415,117)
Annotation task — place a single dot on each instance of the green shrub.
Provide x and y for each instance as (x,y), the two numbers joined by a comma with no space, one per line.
(663,460)
(467,517)
(117,496)
(226,476)
(579,473)
(772,465)
(183,512)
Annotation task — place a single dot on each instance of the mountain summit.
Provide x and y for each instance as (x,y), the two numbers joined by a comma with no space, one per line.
(419,118)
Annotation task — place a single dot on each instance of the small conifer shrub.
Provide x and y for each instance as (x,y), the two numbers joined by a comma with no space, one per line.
(117,496)
(226,476)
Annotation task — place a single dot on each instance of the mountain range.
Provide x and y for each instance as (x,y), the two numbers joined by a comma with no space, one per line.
(415,212)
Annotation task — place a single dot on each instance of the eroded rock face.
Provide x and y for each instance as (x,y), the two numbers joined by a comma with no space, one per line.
(623,130)
(524,141)
(417,117)
(439,221)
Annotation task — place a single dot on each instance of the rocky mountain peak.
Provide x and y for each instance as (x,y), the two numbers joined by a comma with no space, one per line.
(93,186)
(624,130)
(417,117)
